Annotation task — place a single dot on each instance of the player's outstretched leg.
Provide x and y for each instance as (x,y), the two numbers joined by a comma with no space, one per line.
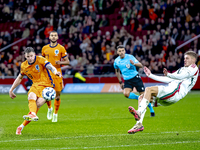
(21,127)
(31,117)
(152,113)
(136,128)
(134,113)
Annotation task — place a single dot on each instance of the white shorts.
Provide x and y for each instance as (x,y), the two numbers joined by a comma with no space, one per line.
(168,95)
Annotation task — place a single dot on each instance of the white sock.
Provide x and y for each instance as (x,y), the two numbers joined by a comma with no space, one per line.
(33,113)
(50,108)
(143,105)
(142,117)
(22,126)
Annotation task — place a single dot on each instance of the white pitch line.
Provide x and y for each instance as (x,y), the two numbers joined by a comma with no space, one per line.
(92,136)
(133,145)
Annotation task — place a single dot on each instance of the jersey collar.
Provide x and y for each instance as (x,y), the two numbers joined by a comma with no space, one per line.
(53,46)
(33,62)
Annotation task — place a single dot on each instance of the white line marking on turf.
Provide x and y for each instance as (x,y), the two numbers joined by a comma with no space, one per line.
(92,136)
(118,146)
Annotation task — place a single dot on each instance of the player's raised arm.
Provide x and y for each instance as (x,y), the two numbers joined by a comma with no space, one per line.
(138,64)
(15,84)
(53,69)
(155,77)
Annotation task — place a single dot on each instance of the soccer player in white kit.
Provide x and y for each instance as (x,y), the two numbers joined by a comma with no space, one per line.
(180,83)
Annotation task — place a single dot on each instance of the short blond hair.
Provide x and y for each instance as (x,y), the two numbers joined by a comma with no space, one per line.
(192,53)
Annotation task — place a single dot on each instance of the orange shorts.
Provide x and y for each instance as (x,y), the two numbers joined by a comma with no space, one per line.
(37,89)
(58,84)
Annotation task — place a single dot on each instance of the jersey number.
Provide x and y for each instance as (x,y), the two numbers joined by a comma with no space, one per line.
(30,76)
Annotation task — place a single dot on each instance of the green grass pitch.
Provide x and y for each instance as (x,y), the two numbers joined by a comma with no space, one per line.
(101,121)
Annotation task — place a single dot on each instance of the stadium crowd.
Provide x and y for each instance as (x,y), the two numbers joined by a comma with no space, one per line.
(90,30)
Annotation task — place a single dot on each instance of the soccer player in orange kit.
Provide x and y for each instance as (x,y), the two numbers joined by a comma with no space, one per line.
(54,52)
(37,69)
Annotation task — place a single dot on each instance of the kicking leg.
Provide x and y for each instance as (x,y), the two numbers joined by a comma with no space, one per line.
(32,107)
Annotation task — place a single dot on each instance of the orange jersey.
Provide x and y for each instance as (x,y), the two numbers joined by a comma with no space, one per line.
(53,54)
(37,72)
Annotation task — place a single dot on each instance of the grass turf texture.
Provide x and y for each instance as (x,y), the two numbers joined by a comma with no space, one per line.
(101,121)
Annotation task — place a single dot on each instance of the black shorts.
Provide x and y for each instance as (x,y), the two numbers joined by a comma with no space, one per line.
(135,82)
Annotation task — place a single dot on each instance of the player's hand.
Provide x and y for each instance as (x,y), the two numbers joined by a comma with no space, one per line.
(147,71)
(58,62)
(58,74)
(165,71)
(131,61)
(12,95)
(122,85)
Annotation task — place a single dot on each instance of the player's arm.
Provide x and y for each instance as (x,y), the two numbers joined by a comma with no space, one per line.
(14,85)
(65,62)
(53,69)
(157,78)
(179,76)
(136,64)
(117,72)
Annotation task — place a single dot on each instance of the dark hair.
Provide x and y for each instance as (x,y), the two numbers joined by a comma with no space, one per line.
(29,49)
(53,32)
(192,53)
(120,46)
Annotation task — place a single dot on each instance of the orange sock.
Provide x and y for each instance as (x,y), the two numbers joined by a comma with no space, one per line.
(56,105)
(32,105)
(27,122)
(49,104)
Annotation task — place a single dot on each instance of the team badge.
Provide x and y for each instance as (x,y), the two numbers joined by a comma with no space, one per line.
(128,66)
(37,68)
(56,52)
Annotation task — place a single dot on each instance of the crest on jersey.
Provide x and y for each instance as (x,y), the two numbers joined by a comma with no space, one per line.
(128,66)
(37,67)
(56,52)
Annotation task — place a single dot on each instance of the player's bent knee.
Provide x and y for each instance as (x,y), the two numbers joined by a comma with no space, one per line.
(40,102)
(126,94)
(148,89)
(32,96)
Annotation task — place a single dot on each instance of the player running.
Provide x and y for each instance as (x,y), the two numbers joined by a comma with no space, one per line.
(180,83)
(54,52)
(127,65)
(36,69)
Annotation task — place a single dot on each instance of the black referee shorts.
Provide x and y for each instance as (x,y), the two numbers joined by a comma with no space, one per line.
(135,82)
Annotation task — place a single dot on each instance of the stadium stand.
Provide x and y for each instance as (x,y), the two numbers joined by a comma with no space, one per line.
(90,31)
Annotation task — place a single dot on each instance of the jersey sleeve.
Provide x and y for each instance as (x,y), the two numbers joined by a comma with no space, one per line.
(134,59)
(115,65)
(43,61)
(22,70)
(63,53)
(185,73)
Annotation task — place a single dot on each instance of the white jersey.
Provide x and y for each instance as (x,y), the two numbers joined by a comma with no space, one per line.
(180,83)
(186,77)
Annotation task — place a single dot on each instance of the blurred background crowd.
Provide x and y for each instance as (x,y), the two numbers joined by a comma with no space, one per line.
(90,30)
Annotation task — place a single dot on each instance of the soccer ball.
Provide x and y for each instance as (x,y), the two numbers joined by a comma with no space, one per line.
(48,93)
